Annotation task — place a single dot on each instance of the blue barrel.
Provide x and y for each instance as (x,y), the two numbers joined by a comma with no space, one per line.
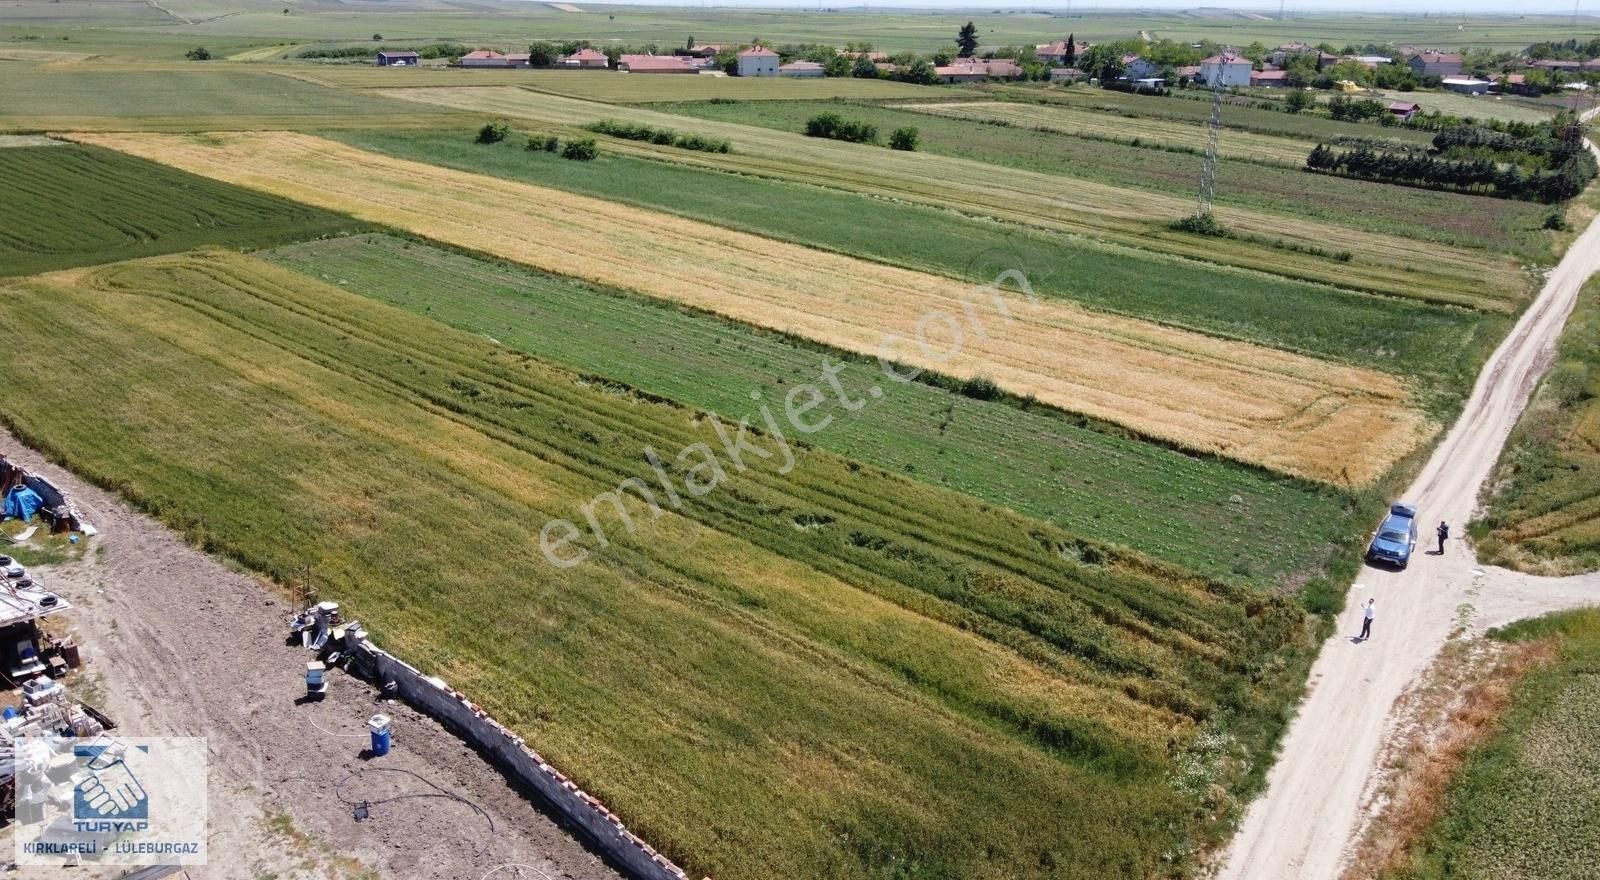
(10,712)
(379,726)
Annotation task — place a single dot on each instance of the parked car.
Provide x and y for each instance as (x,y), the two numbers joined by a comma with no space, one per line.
(1395,538)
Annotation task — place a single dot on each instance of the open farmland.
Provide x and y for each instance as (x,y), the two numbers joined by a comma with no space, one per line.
(1248,146)
(1438,347)
(912,677)
(1192,512)
(1524,803)
(611,87)
(70,205)
(1543,512)
(85,97)
(1294,414)
(1237,112)
(1139,218)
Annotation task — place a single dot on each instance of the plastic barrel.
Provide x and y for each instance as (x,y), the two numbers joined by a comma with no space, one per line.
(379,726)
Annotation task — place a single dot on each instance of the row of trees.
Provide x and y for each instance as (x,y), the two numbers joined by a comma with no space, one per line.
(1552,168)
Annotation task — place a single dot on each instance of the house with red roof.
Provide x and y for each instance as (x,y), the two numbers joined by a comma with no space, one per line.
(657,64)
(1226,69)
(758,61)
(1436,63)
(1056,53)
(1404,110)
(486,58)
(1269,79)
(586,59)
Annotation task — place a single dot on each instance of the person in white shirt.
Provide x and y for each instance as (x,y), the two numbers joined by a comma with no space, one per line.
(1369,611)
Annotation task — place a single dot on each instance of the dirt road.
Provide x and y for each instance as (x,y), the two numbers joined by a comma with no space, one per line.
(1303,825)
(178,644)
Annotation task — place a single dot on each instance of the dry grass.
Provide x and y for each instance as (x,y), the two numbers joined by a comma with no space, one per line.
(1466,691)
(1094,124)
(1388,264)
(1284,411)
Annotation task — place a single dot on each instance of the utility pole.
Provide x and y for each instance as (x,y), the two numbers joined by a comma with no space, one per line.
(1208,169)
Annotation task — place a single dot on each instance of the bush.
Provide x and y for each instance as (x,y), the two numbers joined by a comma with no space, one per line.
(581,151)
(836,127)
(493,133)
(665,137)
(904,139)
(1556,222)
(980,388)
(538,143)
(1201,224)
(198,53)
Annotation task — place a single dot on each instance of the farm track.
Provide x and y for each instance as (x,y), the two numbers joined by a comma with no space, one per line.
(1319,788)
(1332,423)
(1380,263)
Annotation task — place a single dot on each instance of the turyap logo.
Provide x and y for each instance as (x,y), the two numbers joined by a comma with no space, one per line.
(109,792)
(114,801)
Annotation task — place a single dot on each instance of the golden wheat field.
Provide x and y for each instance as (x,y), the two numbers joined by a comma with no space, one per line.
(1288,412)
(1385,263)
(1089,123)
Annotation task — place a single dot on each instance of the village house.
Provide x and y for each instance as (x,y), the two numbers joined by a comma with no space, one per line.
(486,58)
(1065,74)
(704,50)
(972,70)
(398,59)
(1403,110)
(801,68)
(1227,69)
(1434,63)
(1136,68)
(656,64)
(1558,66)
(1289,50)
(758,61)
(586,59)
(1269,79)
(1056,53)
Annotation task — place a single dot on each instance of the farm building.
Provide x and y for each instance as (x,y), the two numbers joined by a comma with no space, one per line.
(801,68)
(1135,68)
(705,50)
(1065,74)
(1189,71)
(758,61)
(1554,66)
(1289,50)
(1226,69)
(486,58)
(1403,110)
(1465,85)
(1440,64)
(398,59)
(657,64)
(1270,79)
(586,59)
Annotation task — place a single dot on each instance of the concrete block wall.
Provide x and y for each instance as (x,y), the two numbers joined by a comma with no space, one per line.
(431,695)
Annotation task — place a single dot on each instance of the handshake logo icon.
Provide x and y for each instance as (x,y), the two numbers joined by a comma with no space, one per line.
(109,792)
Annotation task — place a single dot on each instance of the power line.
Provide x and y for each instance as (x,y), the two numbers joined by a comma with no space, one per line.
(1208,169)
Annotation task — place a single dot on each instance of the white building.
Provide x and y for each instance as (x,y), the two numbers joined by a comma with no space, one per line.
(758,61)
(1226,69)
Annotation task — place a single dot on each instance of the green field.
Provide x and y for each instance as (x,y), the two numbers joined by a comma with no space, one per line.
(1440,347)
(75,205)
(1192,512)
(197,97)
(1290,246)
(1542,513)
(1110,157)
(830,672)
(1525,802)
(1194,107)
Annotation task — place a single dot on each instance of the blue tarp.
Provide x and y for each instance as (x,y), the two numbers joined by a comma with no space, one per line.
(22,503)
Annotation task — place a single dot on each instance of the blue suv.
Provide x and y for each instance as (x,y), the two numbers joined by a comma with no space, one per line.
(1396,537)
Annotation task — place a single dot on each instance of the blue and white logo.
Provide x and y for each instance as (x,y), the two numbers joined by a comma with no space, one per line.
(110,791)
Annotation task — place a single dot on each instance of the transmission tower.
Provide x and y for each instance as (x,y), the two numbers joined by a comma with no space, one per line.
(1208,170)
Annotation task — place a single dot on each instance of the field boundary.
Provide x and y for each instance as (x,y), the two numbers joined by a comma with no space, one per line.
(511,753)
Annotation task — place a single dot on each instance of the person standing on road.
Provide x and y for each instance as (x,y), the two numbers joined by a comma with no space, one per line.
(1443,532)
(1368,611)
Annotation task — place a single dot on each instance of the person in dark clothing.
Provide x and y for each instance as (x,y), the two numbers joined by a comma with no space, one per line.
(1443,532)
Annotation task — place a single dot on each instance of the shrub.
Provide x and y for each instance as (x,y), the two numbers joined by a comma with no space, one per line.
(1556,222)
(198,53)
(493,133)
(904,139)
(980,388)
(832,125)
(1201,224)
(581,151)
(542,143)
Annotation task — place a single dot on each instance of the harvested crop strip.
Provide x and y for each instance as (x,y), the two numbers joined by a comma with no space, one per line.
(1288,412)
